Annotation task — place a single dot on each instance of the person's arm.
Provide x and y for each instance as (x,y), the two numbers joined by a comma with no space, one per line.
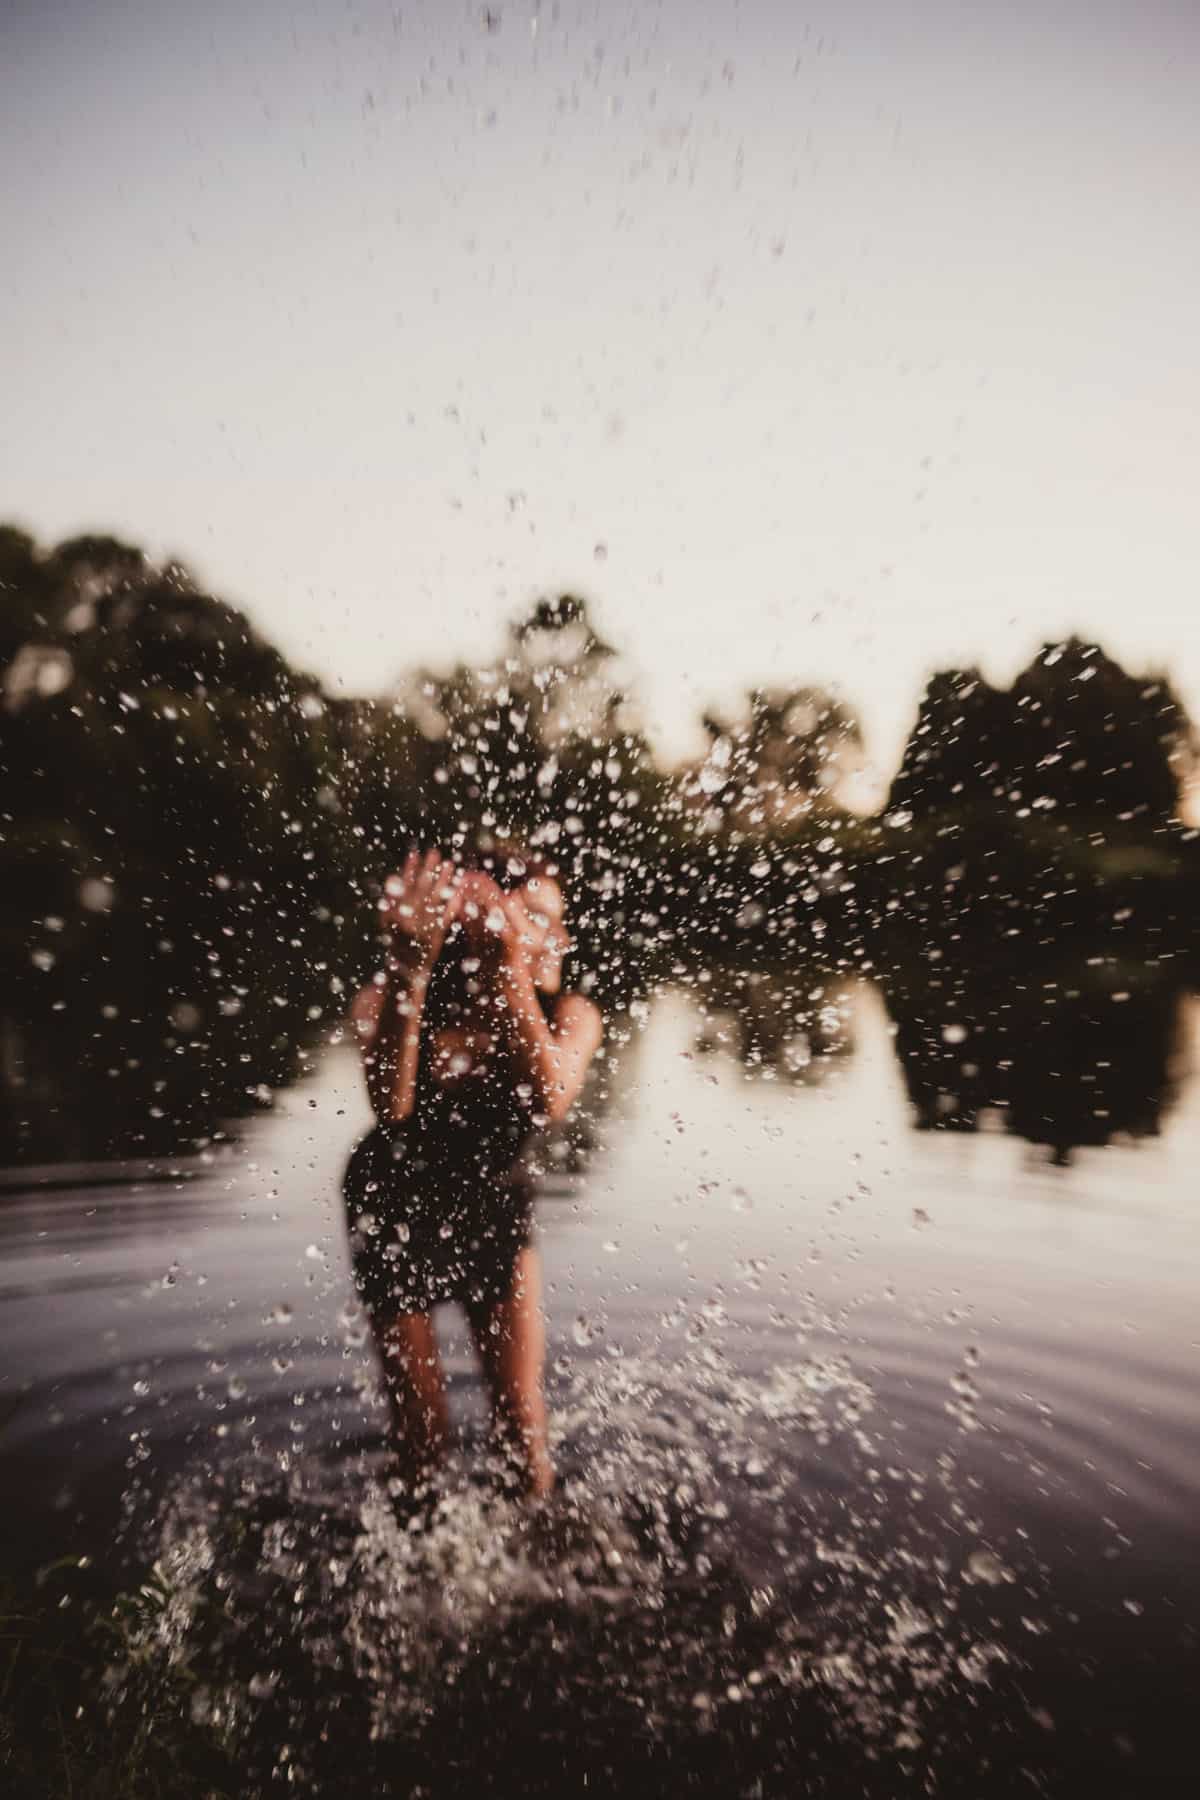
(419,905)
(552,1059)
(387,1019)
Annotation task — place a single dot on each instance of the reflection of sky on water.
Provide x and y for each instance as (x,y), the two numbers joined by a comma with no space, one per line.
(923,1372)
(723,1204)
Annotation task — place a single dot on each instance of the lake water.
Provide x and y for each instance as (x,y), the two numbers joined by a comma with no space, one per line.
(882,1447)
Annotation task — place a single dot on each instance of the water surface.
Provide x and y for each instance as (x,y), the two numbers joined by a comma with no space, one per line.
(881,1444)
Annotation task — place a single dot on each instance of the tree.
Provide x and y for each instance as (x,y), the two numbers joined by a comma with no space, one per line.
(960,751)
(535,742)
(1098,741)
(22,591)
(783,754)
(1075,734)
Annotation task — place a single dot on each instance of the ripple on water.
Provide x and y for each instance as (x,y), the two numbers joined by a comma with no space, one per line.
(1104,1415)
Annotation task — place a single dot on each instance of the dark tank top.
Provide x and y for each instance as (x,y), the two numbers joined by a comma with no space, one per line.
(480,1125)
(440,1204)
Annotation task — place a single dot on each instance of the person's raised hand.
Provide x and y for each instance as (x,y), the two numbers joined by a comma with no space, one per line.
(483,916)
(497,923)
(518,935)
(421,902)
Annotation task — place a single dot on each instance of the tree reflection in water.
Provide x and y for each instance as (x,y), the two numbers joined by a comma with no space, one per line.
(784,1024)
(1064,1056)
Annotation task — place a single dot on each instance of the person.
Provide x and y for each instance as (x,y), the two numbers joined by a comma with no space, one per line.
(469,1051)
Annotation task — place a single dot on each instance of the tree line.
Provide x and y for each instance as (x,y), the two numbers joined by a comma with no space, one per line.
(157,751)
(193,831)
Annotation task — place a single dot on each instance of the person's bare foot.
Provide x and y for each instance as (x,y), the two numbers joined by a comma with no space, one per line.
(522,1477)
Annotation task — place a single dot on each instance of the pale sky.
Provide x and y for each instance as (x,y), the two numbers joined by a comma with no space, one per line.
(825,341)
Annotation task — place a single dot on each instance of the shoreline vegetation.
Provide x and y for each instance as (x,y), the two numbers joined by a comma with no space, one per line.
(193,832)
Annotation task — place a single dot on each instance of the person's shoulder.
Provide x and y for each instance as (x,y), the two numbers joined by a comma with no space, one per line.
(576,1009)
(573,1001)
(365,1008)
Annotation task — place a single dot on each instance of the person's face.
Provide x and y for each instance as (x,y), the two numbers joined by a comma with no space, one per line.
(541,899)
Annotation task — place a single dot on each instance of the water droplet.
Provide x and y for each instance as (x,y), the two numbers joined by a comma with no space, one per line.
(984,1567)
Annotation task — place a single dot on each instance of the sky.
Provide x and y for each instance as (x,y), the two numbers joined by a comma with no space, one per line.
(809,342)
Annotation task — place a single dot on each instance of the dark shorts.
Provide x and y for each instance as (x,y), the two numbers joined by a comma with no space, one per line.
(422,1233)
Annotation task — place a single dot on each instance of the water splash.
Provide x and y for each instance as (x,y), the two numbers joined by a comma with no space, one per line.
(722,1557)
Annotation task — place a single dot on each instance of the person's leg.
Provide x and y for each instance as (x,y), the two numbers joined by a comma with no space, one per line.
(412,1371)
(510,1335)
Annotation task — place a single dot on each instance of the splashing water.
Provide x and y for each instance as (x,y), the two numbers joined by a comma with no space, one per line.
(697,1580)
